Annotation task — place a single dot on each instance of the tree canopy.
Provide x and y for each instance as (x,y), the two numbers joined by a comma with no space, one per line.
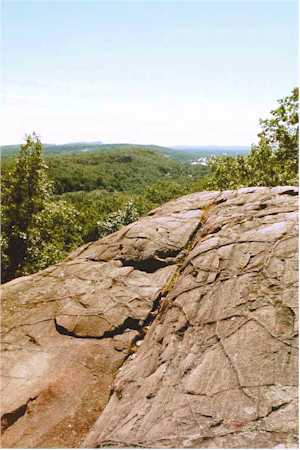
(273,161)
(36,229)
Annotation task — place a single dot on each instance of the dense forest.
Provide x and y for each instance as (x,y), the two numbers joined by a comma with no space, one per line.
(121,168)
(53,202)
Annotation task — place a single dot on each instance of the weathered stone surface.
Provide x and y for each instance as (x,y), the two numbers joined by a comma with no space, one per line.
(67,329)
(177,331)
(218,367)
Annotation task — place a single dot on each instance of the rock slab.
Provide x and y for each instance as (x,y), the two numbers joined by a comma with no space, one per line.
(180,330)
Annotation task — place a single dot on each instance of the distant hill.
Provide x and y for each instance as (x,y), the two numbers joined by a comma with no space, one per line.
(71,147)
(78,147)
(113,168)
(179,153)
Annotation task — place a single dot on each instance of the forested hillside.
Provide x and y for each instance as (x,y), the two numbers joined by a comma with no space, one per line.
(116,170)
(121,168)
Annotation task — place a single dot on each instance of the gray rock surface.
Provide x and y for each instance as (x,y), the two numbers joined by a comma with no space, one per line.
(177,331)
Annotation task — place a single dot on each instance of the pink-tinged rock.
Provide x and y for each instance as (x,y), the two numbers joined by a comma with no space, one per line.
(180,330)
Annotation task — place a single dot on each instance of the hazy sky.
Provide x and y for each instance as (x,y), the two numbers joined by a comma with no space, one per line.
(151,72)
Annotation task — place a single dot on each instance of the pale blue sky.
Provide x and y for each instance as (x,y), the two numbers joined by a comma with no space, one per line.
(160,72)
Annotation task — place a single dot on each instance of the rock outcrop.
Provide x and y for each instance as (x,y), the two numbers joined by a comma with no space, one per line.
(177,331)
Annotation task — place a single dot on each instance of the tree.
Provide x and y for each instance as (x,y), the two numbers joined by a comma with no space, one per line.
(281,130)
(163,191)
(228,172)
(28,209)
(115,220)
(273,161)
(55,230)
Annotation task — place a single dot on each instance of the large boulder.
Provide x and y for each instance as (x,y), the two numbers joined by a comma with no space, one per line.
(177,331)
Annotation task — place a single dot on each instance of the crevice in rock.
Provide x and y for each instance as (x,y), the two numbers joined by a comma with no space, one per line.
(6,332)
(118,444)
(217,423)
(275,408)
(149,265)
(180,267)
(155,262)
(152,314)
(261,418)
(32,339)
(8,419)
(274,213)
(234,369)
(180,331)
(129,324)
(98,260)
(292,192)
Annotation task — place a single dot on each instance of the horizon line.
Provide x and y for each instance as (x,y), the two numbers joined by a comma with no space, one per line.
(135,143)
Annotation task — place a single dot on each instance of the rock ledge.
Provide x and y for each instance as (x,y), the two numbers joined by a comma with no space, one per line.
(180,330)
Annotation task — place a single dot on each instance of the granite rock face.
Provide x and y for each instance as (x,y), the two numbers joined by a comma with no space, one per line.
(180,330)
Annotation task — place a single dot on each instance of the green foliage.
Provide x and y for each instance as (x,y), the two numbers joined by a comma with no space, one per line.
(227,172)
(281,130)
(200,184)
(102,207)
(29,216)
(55,231)
(114,171)
(274,161)
(163,191)
(117,219)
(96,206)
